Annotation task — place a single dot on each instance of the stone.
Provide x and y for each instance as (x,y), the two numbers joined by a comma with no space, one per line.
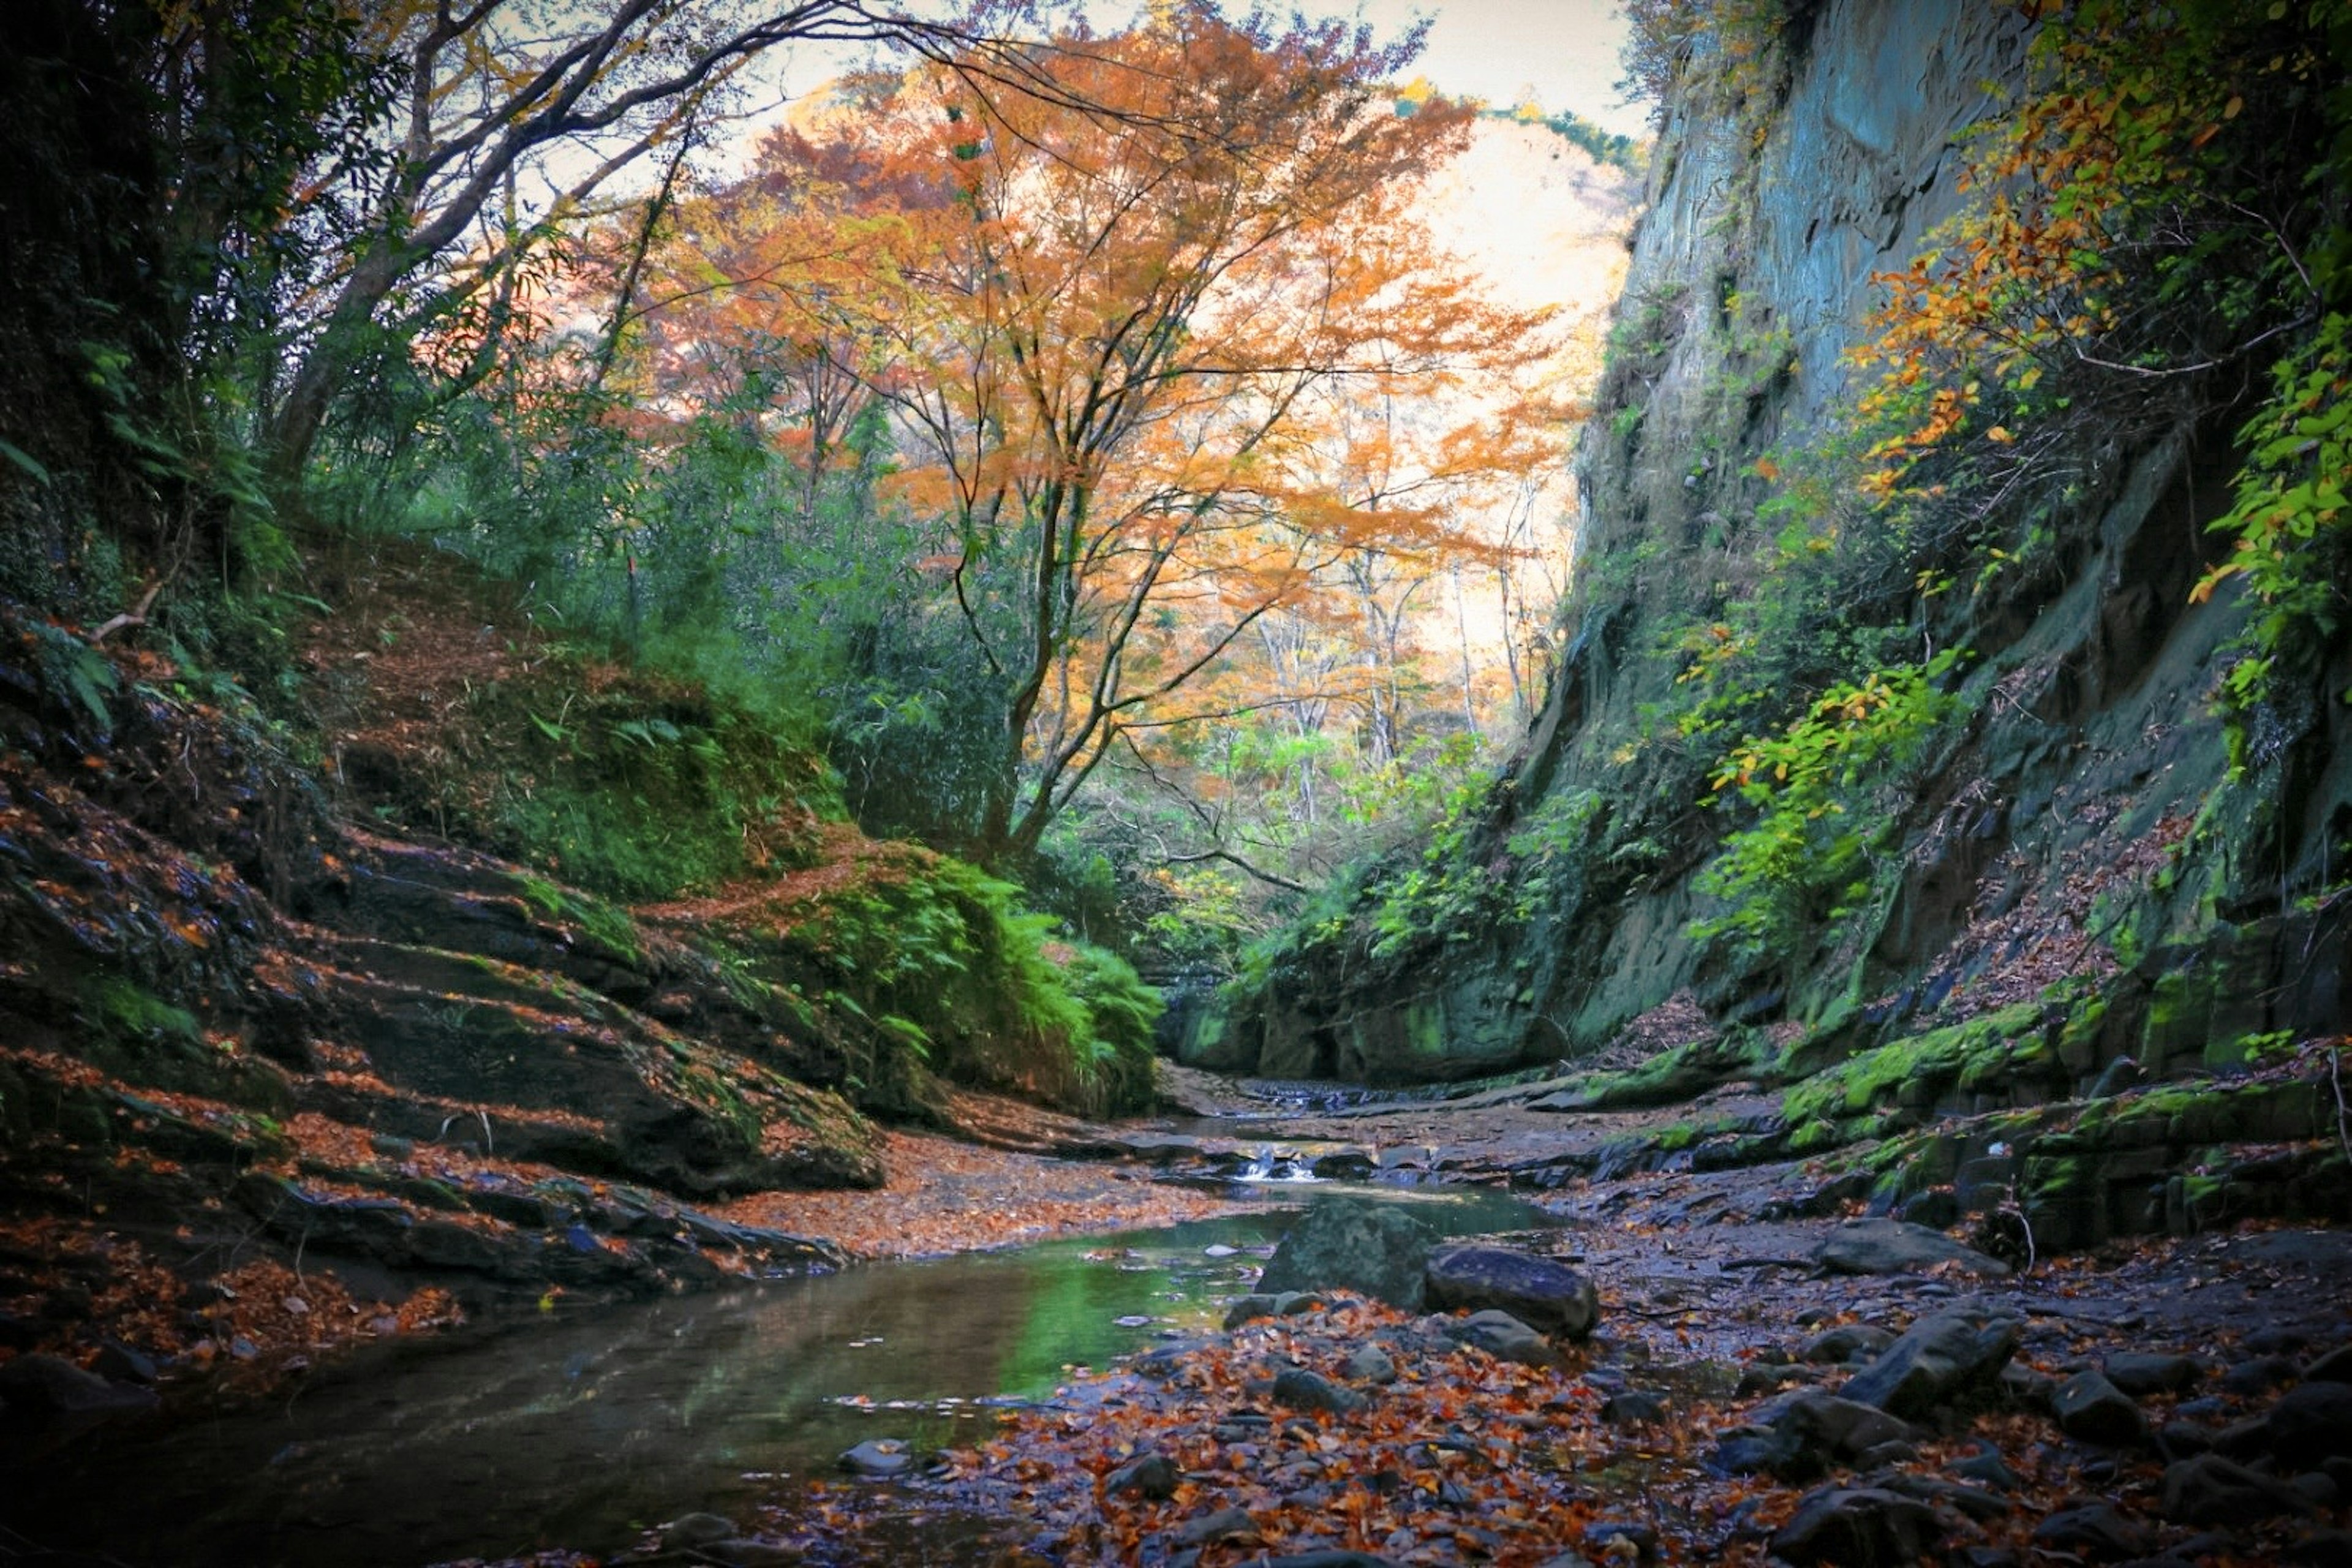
(1372,1364)
(1369,1248)
(2321,1549)
(1224,1524)
(49,1387)
(1632,1407)
(689,1531)
(1603,1535)
(1504,1337)
(2258,1375)
(119,1363)
(2311,1425)
(1546,1296)
(1970,1502)
(2336,1366)
(1891,1246)
(2140,1374)
(1339,1557)
(1846,1342)
(2183,1440)
(2212,1491)
(1987,1468)
(878,1457)
(2090,1407)
(1857,1527)
(1303,1390)
(2093,1530)
(1938,1360)
(1282,1304)
(1843,1428)
(1153,1476)
(743,1551)
(1769,1451)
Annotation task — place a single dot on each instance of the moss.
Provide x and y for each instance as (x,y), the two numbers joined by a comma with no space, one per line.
(600,920)
(126,1010)
(1981,1053)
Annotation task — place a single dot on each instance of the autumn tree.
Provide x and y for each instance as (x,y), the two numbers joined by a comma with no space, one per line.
(1109,316)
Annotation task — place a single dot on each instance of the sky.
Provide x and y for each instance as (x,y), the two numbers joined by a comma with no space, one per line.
(1496,49)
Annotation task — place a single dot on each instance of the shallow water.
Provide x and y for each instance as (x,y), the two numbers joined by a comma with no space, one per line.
(580,1430)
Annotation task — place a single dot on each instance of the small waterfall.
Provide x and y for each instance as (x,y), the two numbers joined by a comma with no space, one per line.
(1272,1164)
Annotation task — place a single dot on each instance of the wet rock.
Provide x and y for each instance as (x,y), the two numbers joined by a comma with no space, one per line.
(1769,1451)
(1339,1557)
(1936,1360)
(1375,1249)
(2096,1531)
(1969,1502)
(2321,1549)
(2209,1490)
(2027,1389)
(2090,1407)
(2141,1374)
(1858,1527)
(1846,1342)
(2317,1489)
(2183,1440)
(1603,1534)
(1282,1304)
(878,1457)
(1545,1295)
(1504,1337)
(1843,1428)
(2259,1374)
(1224,1524)
(1303,1390)
(1372,1364)
(689,1531)
(47,1387)
(2311,1425)
(117,1363)
(1987,1468)
(2336,1366)
(1153,1476)
(1632,1407)
(1891,1246)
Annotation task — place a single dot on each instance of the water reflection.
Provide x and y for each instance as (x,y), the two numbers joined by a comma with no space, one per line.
(579,1432)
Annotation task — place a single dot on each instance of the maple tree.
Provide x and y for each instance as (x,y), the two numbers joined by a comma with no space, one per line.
(1119,325)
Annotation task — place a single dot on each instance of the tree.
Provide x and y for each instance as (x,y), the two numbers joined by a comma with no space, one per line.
(1110,310)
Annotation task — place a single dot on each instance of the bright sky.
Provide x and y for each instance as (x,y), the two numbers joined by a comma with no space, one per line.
(1496,49)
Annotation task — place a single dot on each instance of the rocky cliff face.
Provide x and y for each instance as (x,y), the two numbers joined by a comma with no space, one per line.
(2075,843)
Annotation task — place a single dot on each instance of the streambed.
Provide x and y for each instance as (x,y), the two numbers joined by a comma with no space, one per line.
(578,1430)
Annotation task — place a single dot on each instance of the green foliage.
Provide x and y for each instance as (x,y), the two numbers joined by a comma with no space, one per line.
(1818,792)
(2292,527)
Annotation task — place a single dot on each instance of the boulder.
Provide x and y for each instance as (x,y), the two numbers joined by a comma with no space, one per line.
(2140,1374)
(1373,1248)
(2259,1374)
(2311,1425)
(1843,1428)
(2094,1532)
(1502,1336)
(1938,1360)
(1152,1475)
(1846,1343)
(1549,1297)
(689,1531)
(1372,1364)
(877,1458)
(49,1387)
(1222,1524)
(1891,1246)
(1858,1527)
(2088,1406)
(2209,1490)
(1303,1390)
(2336,1366)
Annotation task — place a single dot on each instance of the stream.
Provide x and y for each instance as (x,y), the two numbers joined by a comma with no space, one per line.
(578,1430)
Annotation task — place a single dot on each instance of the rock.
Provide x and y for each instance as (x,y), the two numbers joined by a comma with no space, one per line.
(119,1363)
(1373,1248)
(1224,1524)
(1632,1407)
(2140,1375)
(1987,1468)
(2090,1407)
(1336,1558)
(1153,1476)
(2027,1389)
(1303,1390)
(2310,1425)
(1603,1535)
(1891,1246)
(2336,1366)
(2317,1489)
(1549,1297)
(2258,1375)
(1769,1451)
(1843,1428)
(49,1387)
(741,1552)
(689,1531)
(1858,1527)
(1372,1364)
(1936,1360)
(2094,1531)
(2183,1440)
(1967,1501)
(1284,1304)
(877,1458)
(1846,1343)
(2321,1549)
(1504,1337)
(2209,1490)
